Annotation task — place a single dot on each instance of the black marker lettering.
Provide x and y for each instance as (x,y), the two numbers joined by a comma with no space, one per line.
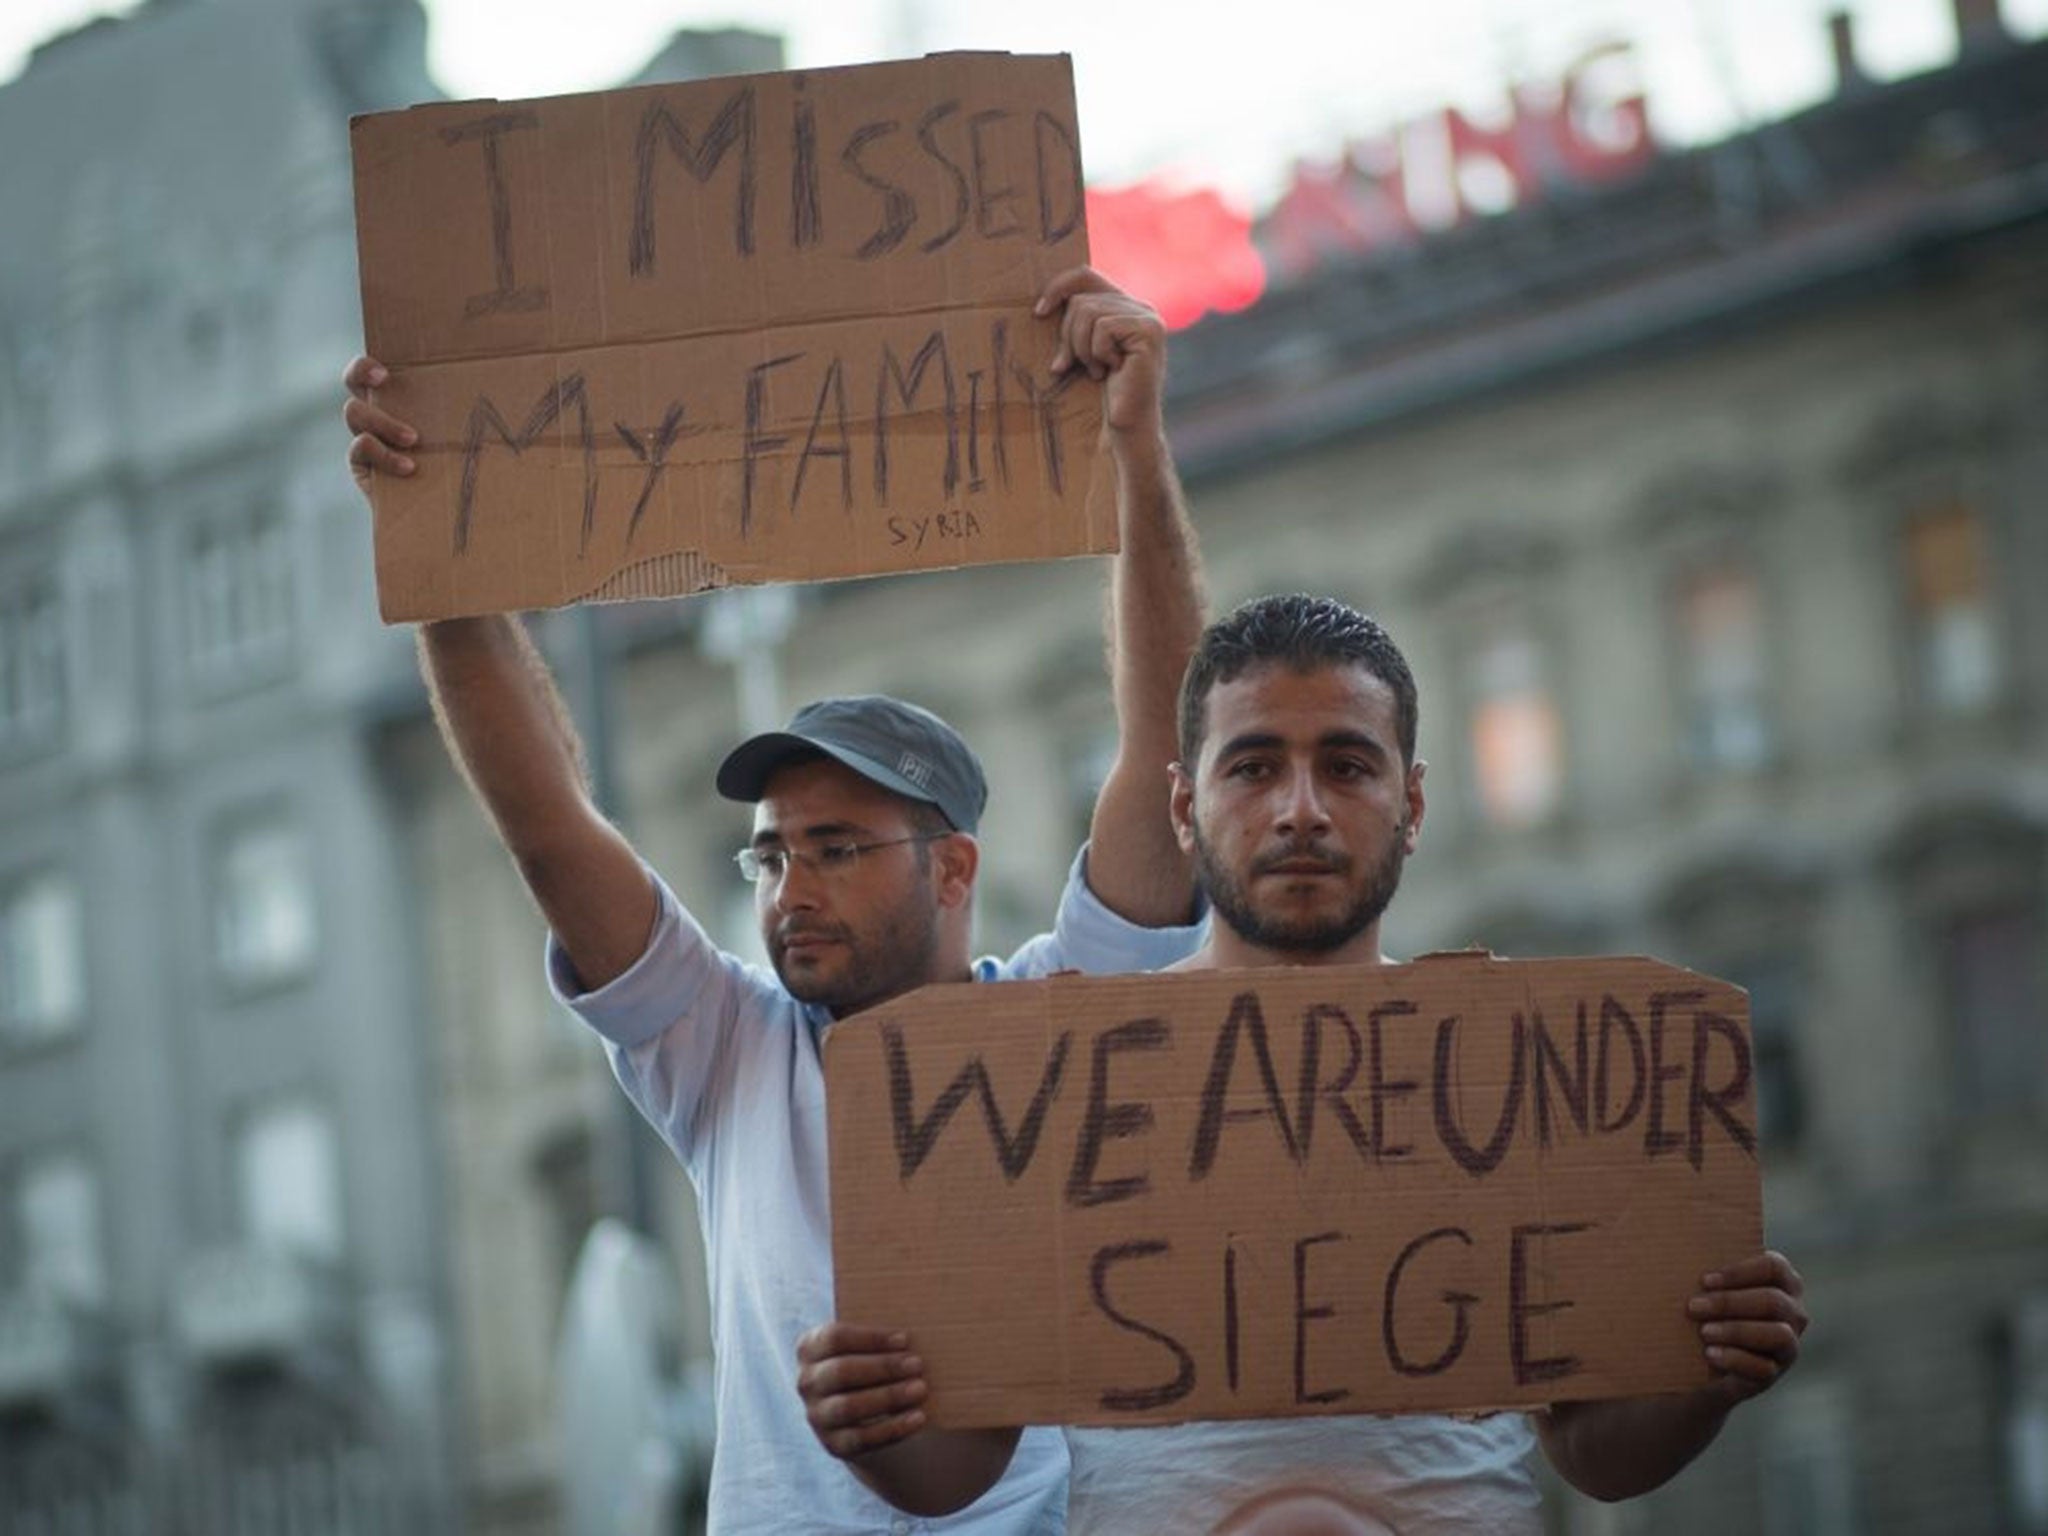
(906,390)
(1554,1367)
(754,443)
(806,222)
(833,387)
(1246,1016)
(1719,1101)
(508,295)
(1107,1121)
(1612,1017)
(1460,1302)
(484,417)
(974,480)
(655,458)
(915,1136)
(1044,124)
(1381,1090)
(1476,1161)
(930,143)
(1042,402)
(986,198)
(734,125)
(1304,1314)
(1656,1140)
(1134,1399)
(899,210)
(1572,1082)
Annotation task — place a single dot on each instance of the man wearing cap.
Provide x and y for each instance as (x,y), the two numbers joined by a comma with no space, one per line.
(864,863)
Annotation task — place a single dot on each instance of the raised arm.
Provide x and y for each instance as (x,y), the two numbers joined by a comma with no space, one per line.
(864,1393)
(1750,1317)
(1135,863)
(506,728)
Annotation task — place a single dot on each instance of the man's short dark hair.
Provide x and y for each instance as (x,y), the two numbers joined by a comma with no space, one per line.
(1300,632)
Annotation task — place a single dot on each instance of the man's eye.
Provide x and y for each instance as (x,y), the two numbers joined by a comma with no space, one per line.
(773,862)
(1249,768)
(837,855)
(1351,768)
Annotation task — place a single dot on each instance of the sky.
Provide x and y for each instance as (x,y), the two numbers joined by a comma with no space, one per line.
(1186,90)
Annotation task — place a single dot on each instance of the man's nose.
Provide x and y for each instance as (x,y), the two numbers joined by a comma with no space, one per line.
(796,890)
(1301,808)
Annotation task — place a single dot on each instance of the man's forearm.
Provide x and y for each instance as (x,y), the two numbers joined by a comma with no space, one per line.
(937,1471)
(1155,598)
(505,725)
(1622,1447)
(1155,618)
(506,728)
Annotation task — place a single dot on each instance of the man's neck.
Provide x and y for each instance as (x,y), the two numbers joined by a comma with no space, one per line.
(948,971)
(1229,950)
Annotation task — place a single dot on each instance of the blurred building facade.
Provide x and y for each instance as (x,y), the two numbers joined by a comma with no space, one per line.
(221,1287)
(243,1288)
(1706,505)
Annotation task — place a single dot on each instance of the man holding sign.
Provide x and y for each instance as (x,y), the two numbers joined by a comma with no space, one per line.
(863,861)
(1299,796)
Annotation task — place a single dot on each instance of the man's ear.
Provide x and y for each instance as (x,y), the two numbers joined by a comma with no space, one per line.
(956,859)
(1416,805)
(1180,805)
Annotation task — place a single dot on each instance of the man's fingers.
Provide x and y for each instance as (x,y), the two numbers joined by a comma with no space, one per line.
(849,1410)
(1747,1366)
(1779,1340)
(368,455)
(1767,1304)
(364,373)
(362,417)
(830,1339)
(1070,282)
(855,1441)
(1769,1268)
(820,1379)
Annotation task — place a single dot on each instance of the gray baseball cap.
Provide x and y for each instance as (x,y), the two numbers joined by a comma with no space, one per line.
(886,741)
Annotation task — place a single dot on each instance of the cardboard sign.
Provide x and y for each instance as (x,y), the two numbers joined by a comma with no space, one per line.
(1460,1184)
(761,328)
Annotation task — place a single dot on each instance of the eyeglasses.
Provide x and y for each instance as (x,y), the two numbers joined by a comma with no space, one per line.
(831,860)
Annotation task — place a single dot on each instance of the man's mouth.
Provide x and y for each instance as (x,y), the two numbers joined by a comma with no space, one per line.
(1302,864)
(807,939)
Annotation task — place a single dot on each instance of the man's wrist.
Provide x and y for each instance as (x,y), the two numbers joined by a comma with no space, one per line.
(1140,447)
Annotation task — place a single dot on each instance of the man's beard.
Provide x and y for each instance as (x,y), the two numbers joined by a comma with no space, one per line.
(1300,935)
(897,956)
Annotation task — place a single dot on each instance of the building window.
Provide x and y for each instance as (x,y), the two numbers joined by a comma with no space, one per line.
(57,1218)
(31,668)
(1721,618)
(1807,1485)
(42,961)
(1954,630)
(1991,974)
(264,928)
(238,601)
(289,1181)
(1517,740)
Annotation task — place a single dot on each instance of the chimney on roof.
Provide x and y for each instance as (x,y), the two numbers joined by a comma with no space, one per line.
(1979,24)
(1849,75)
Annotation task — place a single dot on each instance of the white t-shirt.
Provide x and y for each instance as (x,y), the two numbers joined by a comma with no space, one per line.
(724,1063)
(1416,1475)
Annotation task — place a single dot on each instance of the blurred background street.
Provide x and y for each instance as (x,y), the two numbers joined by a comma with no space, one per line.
(1670,376)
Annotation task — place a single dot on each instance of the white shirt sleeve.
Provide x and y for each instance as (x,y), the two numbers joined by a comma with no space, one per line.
(1086,936)
(673,1020)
